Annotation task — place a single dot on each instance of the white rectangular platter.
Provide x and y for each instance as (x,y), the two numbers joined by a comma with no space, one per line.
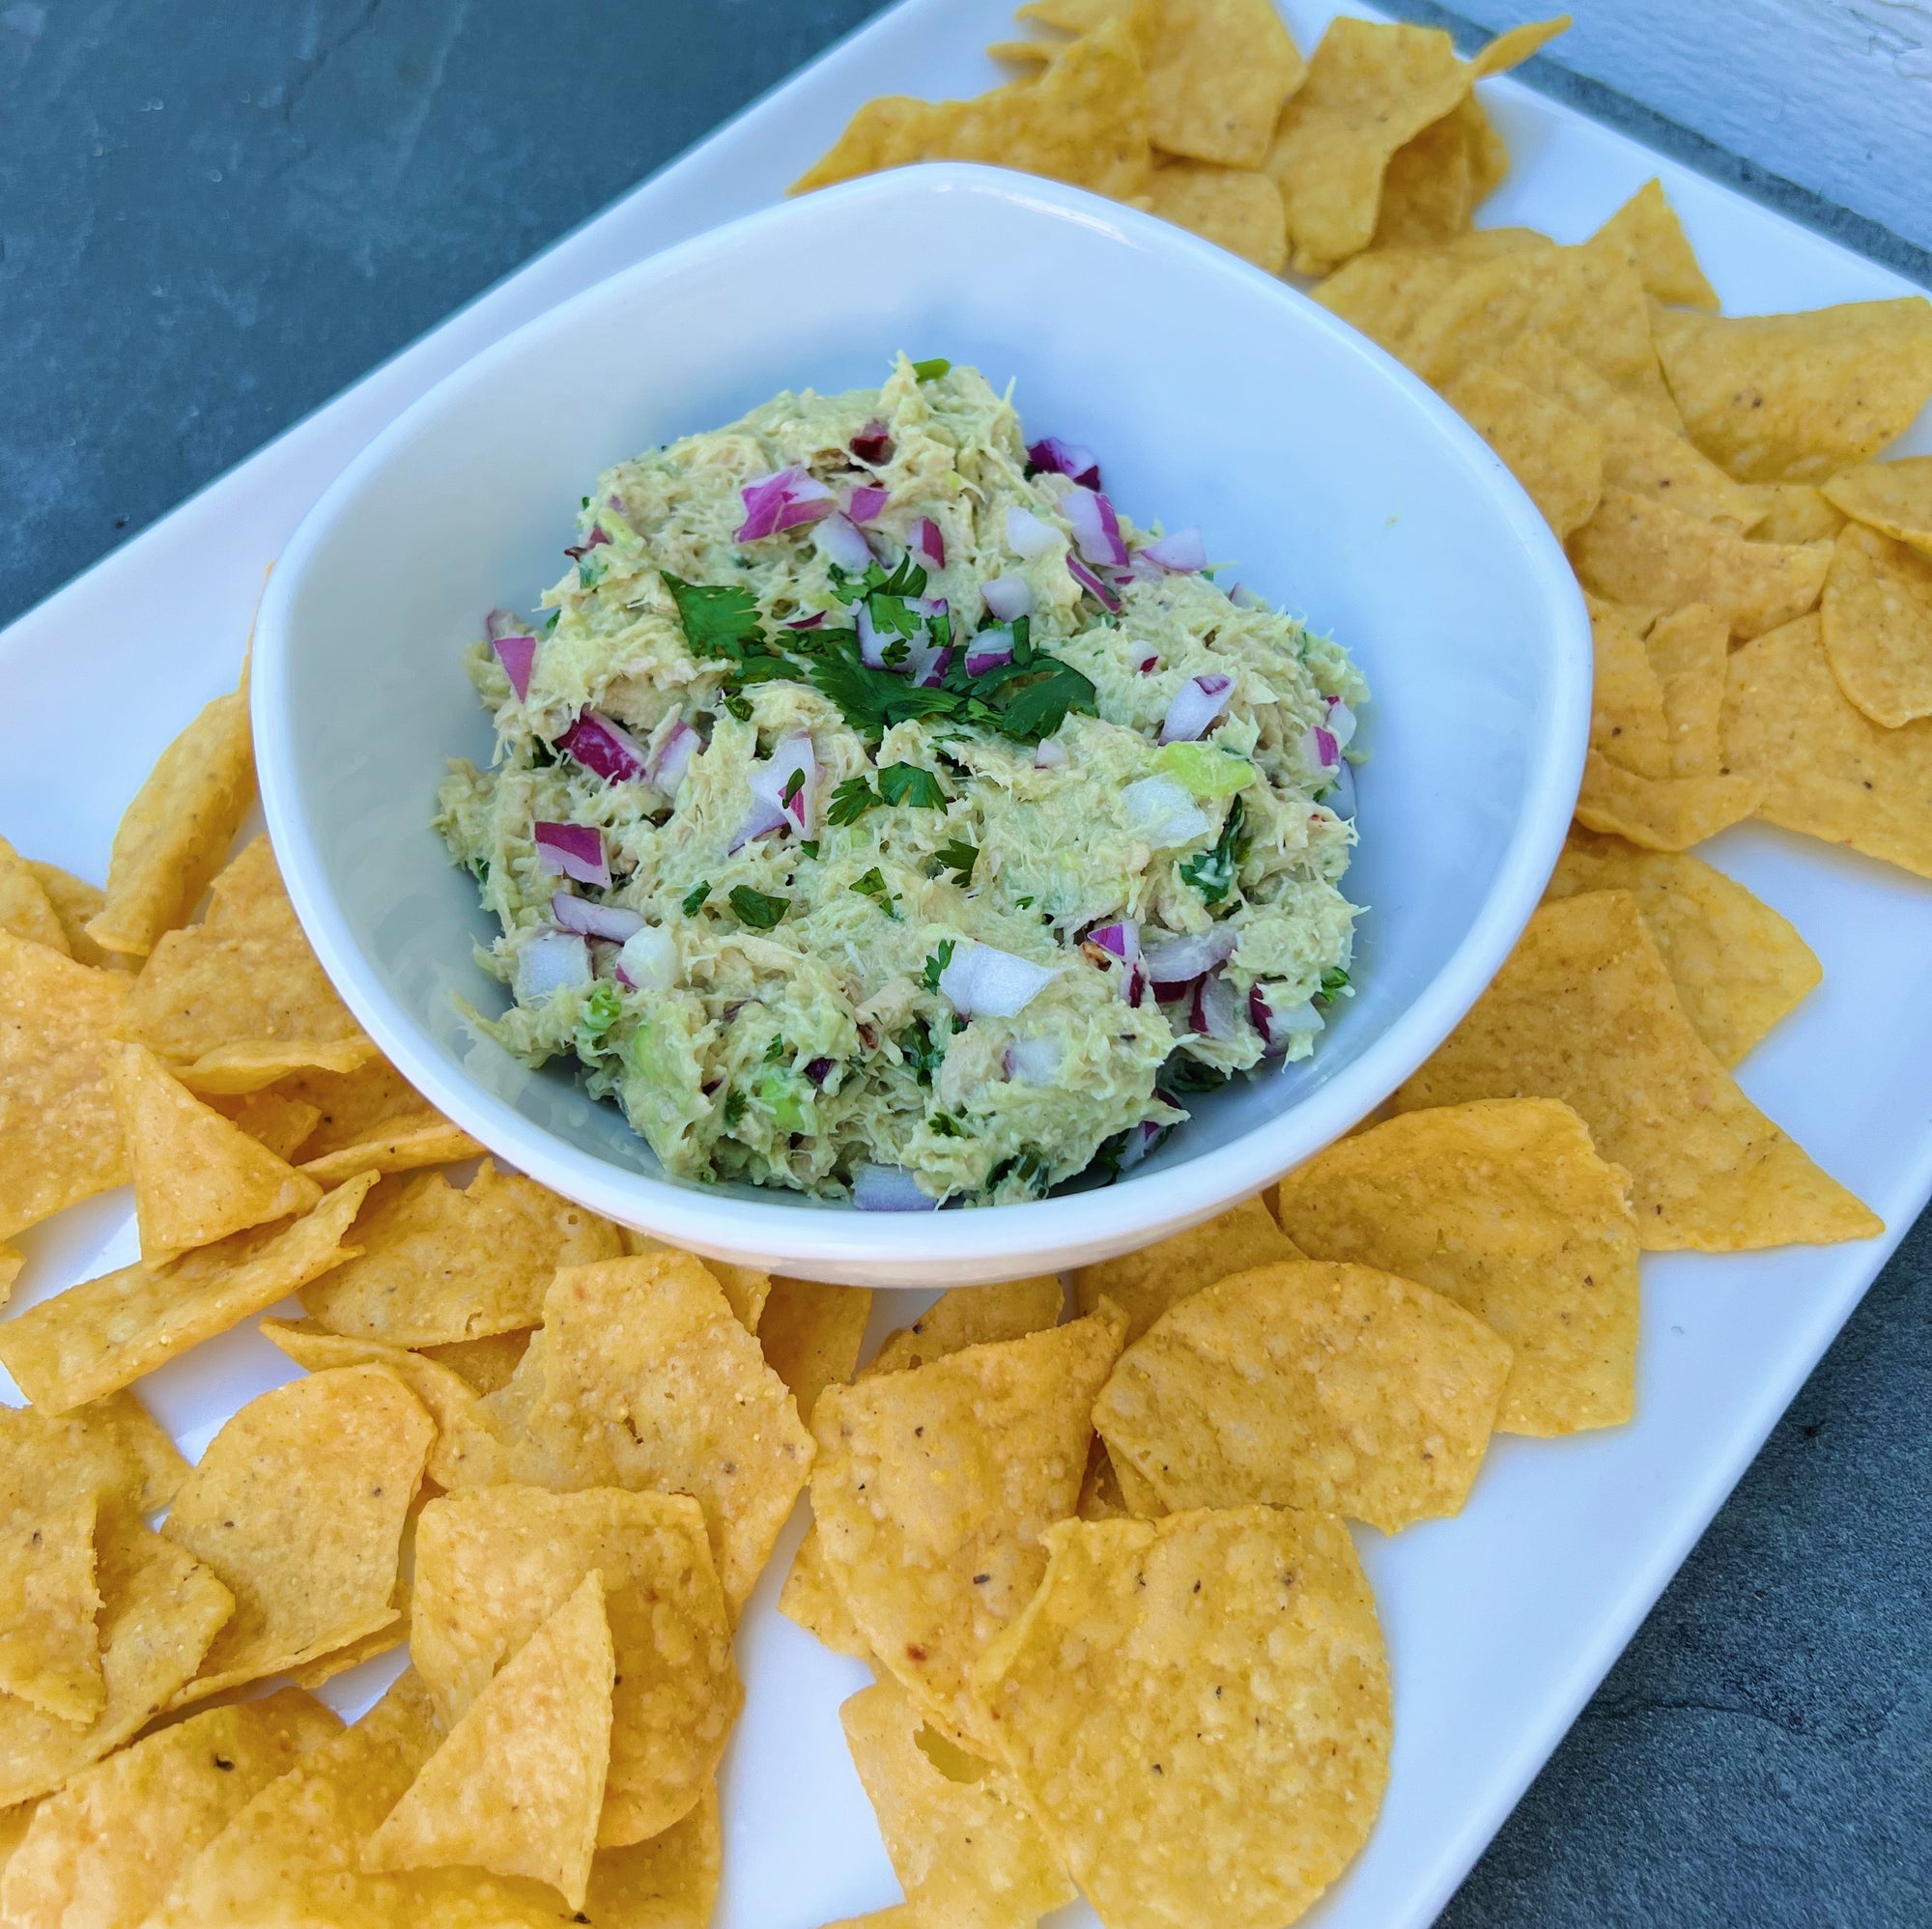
(1501,1621)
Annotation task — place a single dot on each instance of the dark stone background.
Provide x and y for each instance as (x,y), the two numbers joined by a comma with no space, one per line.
(214,215)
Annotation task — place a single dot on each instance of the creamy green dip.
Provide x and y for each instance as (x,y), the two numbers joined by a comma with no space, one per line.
(836,881)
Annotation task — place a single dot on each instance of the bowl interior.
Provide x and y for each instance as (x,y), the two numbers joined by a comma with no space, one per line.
(1336,484)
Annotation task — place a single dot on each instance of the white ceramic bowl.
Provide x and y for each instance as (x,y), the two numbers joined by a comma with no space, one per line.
(1213,394)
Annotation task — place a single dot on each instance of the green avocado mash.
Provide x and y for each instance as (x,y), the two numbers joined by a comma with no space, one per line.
(875,805)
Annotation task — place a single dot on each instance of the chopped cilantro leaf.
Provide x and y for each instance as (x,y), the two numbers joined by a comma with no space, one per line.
(793,784)
(935,963)
(590,570)
(718,620)
(916,1045)
(694,899)
(1036,711)
(734,1107)
(810,848)
(757,908)
(851,799)
(932,368)
(550,621)
(1333,979)
(1182,1073)
(776,1050)
(873,886)
(907,784)
(959,856)
(945,1126)
(1213,873)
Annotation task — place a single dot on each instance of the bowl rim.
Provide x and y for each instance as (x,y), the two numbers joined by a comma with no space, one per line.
(816,1238)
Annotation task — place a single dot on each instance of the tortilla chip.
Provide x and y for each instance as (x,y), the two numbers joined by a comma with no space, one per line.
(1144,1284)
(198,1176)
(1503,1206)
(1661,813)
(747,1288)
(1736,965)
(517,1787)
(810,1598)
(1826,768)
(74,901)
(1024,53)
(1237,209)
(1688,650)
(1892,497)
(1647,225)
(25,909)
(1796,398)
(1083,121)
(1370,89)
(1551,450)
(109,1847)
(1876,617)
(1584,1010)
(112,1448)
(962,1844)
(1429,188)
(441,1265)
(931,1490)
(969,1316)
(50,1613)
(1639,550)
(12,1260)
(1791,512)
(670,1881)
(811,1335)
(1518,44)
(1217,73)
(1302,1384)
(372,1120)
(1237,1654)
(107,1332)
(238,999)
(1100,1495)
(1626,721)
(59,1139)
(1589,298)
(272,1118)
(492,1565)
(159,1609)
(643,1378)
(1386,292)
(177,830)
(487,1364)
(298,1506)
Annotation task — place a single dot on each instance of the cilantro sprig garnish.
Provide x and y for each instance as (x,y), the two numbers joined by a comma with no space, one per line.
(1213,873)
(873,886)
(958,856)
(936,962)
(757,908)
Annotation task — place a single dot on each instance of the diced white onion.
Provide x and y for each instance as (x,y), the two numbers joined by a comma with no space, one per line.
(549,962)
(649,961)
(1160,813)
(889,1189)
(1026,536)
(981,982)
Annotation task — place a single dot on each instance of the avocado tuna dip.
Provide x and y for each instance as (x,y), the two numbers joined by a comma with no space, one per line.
(878,813)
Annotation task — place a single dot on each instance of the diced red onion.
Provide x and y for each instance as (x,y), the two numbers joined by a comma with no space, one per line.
(1262,1020)
(1183,552)
(576,850)
(1303,1018)
(871,645)
(927,543)
(928,664)
(1149,664)
(1196,704)
(1051,754)
(1176,960)
(1135,988)
(604,749)
(1008,597)
(811,622)
(1214,1011)
(1320,750)
(1066,459)
(1341,722)
(1141,1141)
(820,1070)
(649,961)
(1245,597)
(1121,938)
(781,502)
(595,921)
(1340,796)
(1087,580)
(988,650)
(518,655)
(984,982)
(1095,528)
(674,757)
(929,607)
(595,540)
(1033,1061)
(1160,813)
(793,763)
(551,961)
(841,541)
(872,445)
(760,821)
(864,505)
(503,623)
(1026,536)
(889,1189)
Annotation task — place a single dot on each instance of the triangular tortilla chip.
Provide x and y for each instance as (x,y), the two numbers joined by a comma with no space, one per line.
(1688,650)
(106,1333)
(1661,813)
(1218,71)
(1236,207)
(1556,453)
(518,1786)
(1584,1010)
(1386,292)
(298,1505)
(1429,187)
(492,1565)
(1236,1651)
(1337,1388)
(747,1288)
(1144,1284)
(642,1378)
(109,1847)
(197,1176)
(1877,617)
(1892,497)
(372,1120)
(74,901)
(969,1316)
(1503,1206)
(1792,512)
(931,1489)
(275,1119)
(488,1365)
(12,1260)
(25,909)
(1737,966)
(113,1449)
(1648,226)
(1826,768)
(49,1636)
(810,1598)
(59,1138)
(1626,721)
(964,1847)
(234,1003)
(811,1335)
(159,1611)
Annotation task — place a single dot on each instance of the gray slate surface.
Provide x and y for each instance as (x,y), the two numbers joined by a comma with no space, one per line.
(214,215)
